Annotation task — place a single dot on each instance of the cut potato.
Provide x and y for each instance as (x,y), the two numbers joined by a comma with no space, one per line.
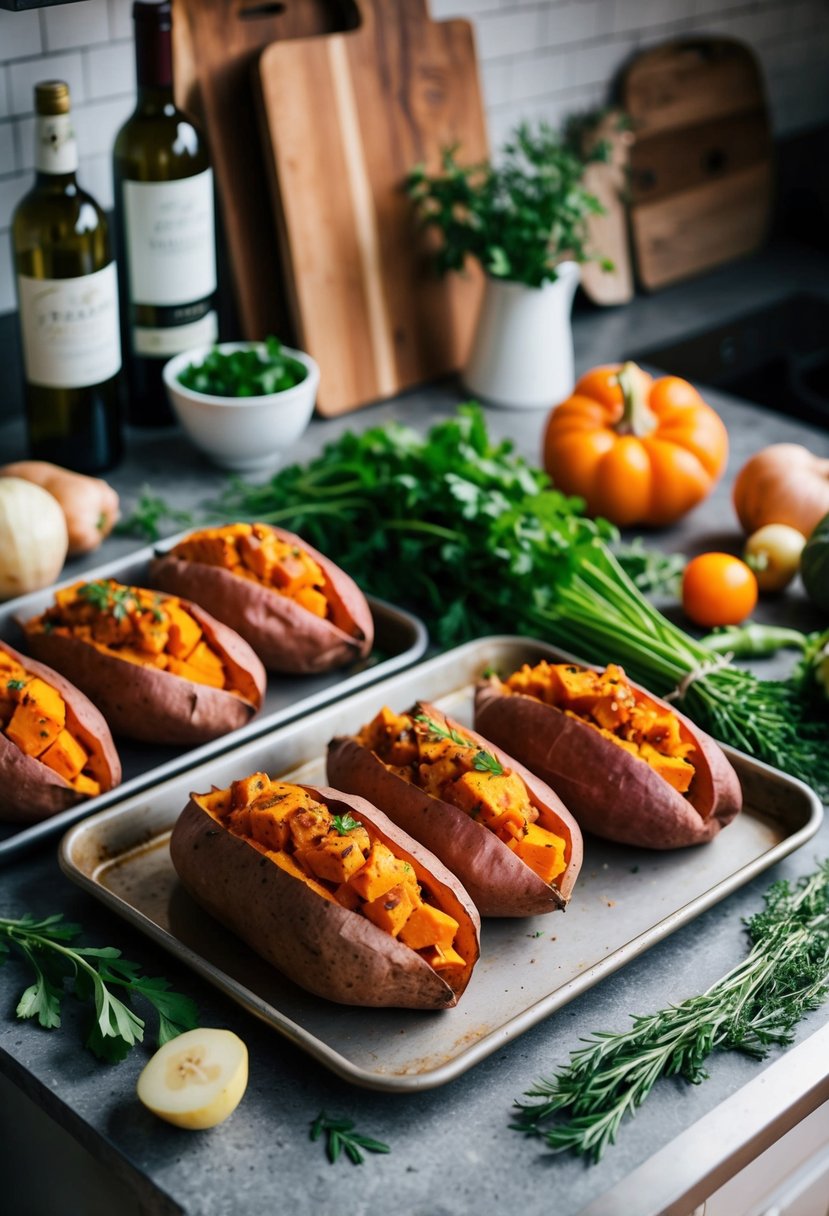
(197,1079)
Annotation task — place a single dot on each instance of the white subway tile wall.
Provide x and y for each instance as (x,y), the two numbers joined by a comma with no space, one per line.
(539,59)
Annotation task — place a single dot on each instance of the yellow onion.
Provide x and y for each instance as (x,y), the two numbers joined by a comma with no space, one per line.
(33,537)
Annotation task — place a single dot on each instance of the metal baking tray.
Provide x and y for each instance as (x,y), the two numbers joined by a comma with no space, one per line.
(400,639)
(625,899)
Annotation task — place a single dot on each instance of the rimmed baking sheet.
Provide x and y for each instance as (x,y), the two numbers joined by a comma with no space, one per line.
(624,901)
(400,639)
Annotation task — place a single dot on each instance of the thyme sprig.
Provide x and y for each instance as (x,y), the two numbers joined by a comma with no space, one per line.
(482,761)
(750,1009)
(340,1137)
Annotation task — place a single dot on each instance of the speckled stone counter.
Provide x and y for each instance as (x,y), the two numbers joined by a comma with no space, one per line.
(452,1153)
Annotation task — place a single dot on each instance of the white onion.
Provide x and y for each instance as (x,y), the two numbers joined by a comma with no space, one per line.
(33,537)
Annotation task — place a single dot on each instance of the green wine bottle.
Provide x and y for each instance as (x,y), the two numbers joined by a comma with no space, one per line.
(67,290)
(165,223)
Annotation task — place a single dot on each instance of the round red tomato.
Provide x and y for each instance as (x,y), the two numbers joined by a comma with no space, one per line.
(718,589)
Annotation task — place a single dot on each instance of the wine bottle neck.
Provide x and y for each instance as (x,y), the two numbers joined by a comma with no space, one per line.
(153,52)
(56,151)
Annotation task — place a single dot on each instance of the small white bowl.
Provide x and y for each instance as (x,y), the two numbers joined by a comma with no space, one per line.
(245,434)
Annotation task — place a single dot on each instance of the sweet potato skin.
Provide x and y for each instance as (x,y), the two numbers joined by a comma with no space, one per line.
(499,882)
(612,793)
(152,705)
(323,947)
(31,791)
(285,635)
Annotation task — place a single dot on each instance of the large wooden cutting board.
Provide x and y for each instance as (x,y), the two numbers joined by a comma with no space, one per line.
(701,161)
(345,117)
(216,43)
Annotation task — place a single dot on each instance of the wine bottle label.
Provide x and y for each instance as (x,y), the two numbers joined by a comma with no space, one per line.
(170,240)
(70,329)
(56,150)
(161,342)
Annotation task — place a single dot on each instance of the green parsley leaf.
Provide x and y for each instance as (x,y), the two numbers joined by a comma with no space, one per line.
(345,823)
(483,762)
(341,1137)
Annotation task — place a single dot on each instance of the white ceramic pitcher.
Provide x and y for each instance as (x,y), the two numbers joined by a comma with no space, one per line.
(522,351)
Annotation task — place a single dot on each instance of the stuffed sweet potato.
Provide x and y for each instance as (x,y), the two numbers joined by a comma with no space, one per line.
(55,747)
(327,889)
(159,668)
(630,768)
(298,610)
(507,836)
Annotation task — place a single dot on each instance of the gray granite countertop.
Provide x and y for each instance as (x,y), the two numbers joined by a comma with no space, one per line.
(452,1153)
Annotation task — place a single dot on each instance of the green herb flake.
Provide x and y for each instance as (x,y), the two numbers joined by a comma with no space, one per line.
(15,685)
(482,761)
(149,515)
(255,371)
(345,823)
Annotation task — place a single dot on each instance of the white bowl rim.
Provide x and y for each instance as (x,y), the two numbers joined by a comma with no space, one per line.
(194,354)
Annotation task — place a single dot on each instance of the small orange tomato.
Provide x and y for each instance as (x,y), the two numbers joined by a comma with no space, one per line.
(718,589)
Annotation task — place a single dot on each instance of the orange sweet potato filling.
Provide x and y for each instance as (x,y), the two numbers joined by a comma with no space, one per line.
(339,858)
(33,718)
(140,627)
(254,552)
(606,701)
(457,771)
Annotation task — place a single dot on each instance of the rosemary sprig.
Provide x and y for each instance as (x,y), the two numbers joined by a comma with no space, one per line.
(341,1137)
(91,972)
(482,761)
(752,1008)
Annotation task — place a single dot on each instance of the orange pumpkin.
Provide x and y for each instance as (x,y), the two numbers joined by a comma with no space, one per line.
(637,450)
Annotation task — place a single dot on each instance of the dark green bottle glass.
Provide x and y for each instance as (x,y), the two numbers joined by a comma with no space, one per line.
(67,290)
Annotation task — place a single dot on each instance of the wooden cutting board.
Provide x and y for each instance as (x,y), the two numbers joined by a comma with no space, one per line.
(215,45)
(701,161)
(344,118)
(608,236)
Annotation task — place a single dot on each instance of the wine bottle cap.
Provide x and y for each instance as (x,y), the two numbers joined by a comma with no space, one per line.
(52,97)
(159,12)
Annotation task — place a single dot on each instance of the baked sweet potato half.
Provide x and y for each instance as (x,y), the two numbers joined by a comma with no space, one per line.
(629,766)
(509,839)
(159,668)
(330,891)
(298,610)
(55,747)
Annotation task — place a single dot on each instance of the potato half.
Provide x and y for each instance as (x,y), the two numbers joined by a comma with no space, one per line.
(140,700)
(498,880)
(612,792)
(288,636)
(295,923)
(87,762)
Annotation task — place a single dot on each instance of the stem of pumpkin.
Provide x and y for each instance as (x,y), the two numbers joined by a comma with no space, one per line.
(636,418)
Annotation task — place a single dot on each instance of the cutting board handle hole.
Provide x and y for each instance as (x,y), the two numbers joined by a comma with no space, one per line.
(261,8)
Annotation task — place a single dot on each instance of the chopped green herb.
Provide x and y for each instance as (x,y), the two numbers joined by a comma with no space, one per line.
(114,600)
(345,823)
(91,973)
(16,685)
(341,1137)
(255,371)
(483,762)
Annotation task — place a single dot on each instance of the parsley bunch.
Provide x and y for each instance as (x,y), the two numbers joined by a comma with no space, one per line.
(255,371)
(91,972)
(752,1008)
(477,541)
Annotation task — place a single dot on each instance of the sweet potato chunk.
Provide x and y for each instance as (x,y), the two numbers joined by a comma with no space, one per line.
(391,910)
(184,632)
(38,718)
(429,926)
(381,872)
(65,756)
(541,850)
(335,859)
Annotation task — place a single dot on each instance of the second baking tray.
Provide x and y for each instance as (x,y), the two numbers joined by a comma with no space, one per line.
(400,639)
(625,899)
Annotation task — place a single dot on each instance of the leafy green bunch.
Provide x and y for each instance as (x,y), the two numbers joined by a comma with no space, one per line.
(518,217)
